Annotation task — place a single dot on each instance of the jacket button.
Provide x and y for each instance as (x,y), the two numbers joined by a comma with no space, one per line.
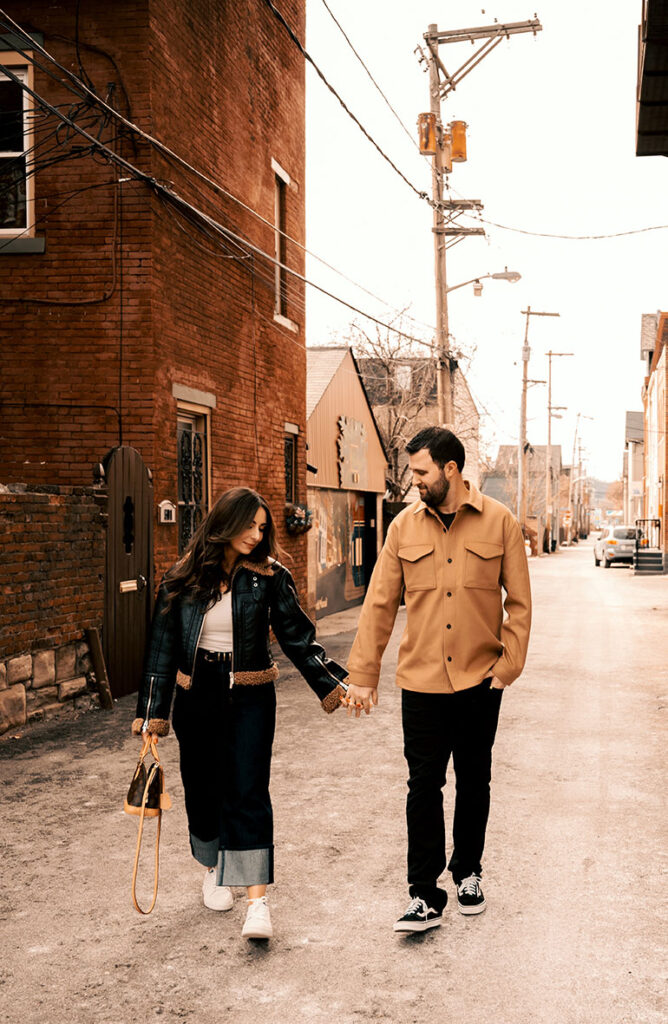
(449,658)
(449,626)
(449,559)
(449,594)
(255,584)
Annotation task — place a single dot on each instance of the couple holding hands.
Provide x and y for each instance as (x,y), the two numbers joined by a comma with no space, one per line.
(452,554)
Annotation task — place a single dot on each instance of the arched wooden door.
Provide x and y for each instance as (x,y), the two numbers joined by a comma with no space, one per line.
(129,568)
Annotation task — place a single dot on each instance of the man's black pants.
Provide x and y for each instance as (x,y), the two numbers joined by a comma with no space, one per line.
(436,726)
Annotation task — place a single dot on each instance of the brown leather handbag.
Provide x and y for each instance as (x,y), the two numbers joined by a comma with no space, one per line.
(147,798)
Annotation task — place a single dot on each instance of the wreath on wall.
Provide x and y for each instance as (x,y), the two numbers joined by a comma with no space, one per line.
(298,518)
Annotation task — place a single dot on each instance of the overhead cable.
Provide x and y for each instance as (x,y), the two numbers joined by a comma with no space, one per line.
(575,238)
(279,17)
(78,87)
(338,24)
(179,201)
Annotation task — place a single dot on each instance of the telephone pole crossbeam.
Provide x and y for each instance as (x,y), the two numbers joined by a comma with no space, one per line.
(461,204)
(453,232)
(463,35)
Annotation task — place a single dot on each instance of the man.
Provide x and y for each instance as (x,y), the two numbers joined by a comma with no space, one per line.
(452,552)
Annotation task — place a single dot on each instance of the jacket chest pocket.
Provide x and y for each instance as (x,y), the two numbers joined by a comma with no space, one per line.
(482,566)
(419,566)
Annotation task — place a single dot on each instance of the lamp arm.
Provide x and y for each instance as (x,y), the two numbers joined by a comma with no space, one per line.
(454,287)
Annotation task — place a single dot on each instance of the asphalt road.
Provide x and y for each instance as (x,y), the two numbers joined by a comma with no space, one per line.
(575,865)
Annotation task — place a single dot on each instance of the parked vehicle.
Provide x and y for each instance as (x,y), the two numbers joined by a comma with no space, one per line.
(615,544)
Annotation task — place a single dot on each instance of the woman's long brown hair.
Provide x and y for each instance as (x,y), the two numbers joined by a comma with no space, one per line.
(199,573)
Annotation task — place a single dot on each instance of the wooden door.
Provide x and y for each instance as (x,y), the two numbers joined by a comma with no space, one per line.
(129,568)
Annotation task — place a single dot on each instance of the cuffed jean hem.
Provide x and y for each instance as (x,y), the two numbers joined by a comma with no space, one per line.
(235,867)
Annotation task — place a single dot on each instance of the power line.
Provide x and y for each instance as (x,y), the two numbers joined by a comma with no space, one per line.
(279,17)
(575,238)
(80,87)
(387,102)
(180,202)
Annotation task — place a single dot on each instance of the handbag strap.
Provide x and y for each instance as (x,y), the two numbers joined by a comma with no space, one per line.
(149,742)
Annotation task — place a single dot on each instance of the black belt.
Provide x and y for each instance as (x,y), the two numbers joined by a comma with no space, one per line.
(216,657)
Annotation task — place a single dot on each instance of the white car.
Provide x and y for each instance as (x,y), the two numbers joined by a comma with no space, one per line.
(615,544)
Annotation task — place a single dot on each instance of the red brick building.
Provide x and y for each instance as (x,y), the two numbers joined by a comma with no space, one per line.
(126,317)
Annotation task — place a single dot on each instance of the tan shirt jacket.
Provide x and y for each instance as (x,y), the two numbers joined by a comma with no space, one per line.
(455,632)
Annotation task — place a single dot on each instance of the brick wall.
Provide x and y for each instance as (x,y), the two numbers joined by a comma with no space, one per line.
(52,545)
(224,86)
(241,88)
(65,309)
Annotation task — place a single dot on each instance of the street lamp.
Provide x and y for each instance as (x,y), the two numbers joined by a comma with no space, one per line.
(511,276)
(443,379)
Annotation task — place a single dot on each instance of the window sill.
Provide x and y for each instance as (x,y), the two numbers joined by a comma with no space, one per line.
(22,246)
(284,322)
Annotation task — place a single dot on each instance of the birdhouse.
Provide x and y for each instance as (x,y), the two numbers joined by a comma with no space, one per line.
(427,134)
(458,134)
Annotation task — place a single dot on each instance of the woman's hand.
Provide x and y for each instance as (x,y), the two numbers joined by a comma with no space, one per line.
(360,698)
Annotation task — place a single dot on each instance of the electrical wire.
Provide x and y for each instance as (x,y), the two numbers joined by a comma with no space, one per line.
(295,39)
(574,238)
(107,294)
(338,24)
(175,198)
(78,87)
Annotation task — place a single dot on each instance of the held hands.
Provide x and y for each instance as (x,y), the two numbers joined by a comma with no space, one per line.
(360,698)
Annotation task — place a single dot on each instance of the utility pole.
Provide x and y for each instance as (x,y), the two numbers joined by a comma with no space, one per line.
(521,451)
(581,490)
(443,380)
(570,483)
(574,516)
(551,411)
(441,83)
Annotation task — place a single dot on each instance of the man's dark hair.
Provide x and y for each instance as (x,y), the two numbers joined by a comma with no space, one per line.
(442,445)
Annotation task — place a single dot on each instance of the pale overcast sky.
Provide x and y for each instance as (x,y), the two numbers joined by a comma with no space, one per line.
(551,148)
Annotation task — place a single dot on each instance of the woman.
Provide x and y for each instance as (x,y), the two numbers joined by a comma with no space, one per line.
(210,637)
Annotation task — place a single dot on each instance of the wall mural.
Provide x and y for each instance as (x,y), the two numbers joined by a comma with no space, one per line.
(338,522)
(353,446)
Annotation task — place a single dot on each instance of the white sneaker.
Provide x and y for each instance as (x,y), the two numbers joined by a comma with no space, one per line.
(258,921)
(216,897)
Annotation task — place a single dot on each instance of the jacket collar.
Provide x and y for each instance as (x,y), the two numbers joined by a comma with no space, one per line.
(264,568)
(474,500)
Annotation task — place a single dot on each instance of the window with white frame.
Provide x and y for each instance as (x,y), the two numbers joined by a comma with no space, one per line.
(281,289)
(16,181)
(282,182)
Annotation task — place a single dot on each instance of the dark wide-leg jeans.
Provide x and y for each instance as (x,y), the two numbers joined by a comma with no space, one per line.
(436,726)
(225,739)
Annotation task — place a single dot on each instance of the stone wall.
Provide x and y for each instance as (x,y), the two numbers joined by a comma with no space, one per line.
(46,683)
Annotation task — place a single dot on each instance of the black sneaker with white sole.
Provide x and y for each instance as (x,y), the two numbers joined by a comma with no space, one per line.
(419,917)
(469,896)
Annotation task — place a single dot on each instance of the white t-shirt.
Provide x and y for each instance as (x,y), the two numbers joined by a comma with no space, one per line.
(216,632)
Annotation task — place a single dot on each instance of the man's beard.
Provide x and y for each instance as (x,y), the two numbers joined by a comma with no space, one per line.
(437,493)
